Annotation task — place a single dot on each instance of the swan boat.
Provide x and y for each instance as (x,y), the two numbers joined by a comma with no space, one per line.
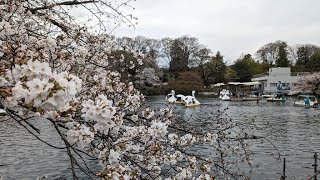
(171,98)
(225,95)
(191,101)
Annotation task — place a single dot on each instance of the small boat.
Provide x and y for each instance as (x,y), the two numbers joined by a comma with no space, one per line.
(170,98)
(225,98)
(277,97)
(306,101)
(2,112)
(254,96)
(225,95)
(191,101)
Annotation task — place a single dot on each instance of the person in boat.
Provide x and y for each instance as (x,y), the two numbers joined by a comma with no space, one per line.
(232,93)
(307,101)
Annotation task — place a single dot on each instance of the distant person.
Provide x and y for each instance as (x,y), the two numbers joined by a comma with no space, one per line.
(307,101)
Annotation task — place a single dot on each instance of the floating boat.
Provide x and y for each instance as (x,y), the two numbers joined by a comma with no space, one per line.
(277,97)
(170,98)
(2,112)
(306,101)
(254,96)
(191,101)
(225,95)
(225,98)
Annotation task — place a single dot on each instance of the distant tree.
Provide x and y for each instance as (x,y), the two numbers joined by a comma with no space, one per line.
(179,56)
(213,70)
(184,53)
(218,68)
(142,45)
(303,55)
(202,56)
(268,53)
(201,64)
(255,67)
(292,53)
(244,68)
(126,42)
(153,48)
(191,47)
(119,58)
(282,58)
(165,56)
(272,53)
(313,65)
(230,75)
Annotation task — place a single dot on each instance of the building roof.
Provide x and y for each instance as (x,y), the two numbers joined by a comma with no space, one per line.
(245,83)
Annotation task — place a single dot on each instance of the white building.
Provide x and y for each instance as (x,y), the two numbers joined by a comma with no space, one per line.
(278,79)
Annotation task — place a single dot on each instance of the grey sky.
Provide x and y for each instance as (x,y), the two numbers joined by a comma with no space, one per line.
(231,26)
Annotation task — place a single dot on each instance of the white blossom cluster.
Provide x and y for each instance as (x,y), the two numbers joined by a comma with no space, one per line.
(80,134)
(101,111)
(188,139)
(307,84)
(36,85)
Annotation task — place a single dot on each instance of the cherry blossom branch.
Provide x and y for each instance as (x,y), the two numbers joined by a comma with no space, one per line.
(72,158)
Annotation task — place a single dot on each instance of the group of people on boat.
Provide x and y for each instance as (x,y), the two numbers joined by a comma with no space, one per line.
(187,101)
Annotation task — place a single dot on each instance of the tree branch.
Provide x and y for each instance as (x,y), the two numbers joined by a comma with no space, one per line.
(65,3)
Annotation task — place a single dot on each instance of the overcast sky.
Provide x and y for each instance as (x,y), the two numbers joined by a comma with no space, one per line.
(231,26)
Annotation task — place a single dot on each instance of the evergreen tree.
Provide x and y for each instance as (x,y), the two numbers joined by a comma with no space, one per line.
(179,57)
(282,59)
(219,68)
(242,68)
(214,70)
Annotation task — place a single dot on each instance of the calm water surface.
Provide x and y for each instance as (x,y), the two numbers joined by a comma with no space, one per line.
(23,157)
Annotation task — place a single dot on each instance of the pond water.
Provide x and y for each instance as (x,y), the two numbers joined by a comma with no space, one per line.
(23,157)
(299,128)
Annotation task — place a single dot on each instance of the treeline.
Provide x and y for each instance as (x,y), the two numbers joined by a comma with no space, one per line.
(190,64)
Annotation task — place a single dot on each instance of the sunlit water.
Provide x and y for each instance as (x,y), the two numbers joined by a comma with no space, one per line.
(23,157)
